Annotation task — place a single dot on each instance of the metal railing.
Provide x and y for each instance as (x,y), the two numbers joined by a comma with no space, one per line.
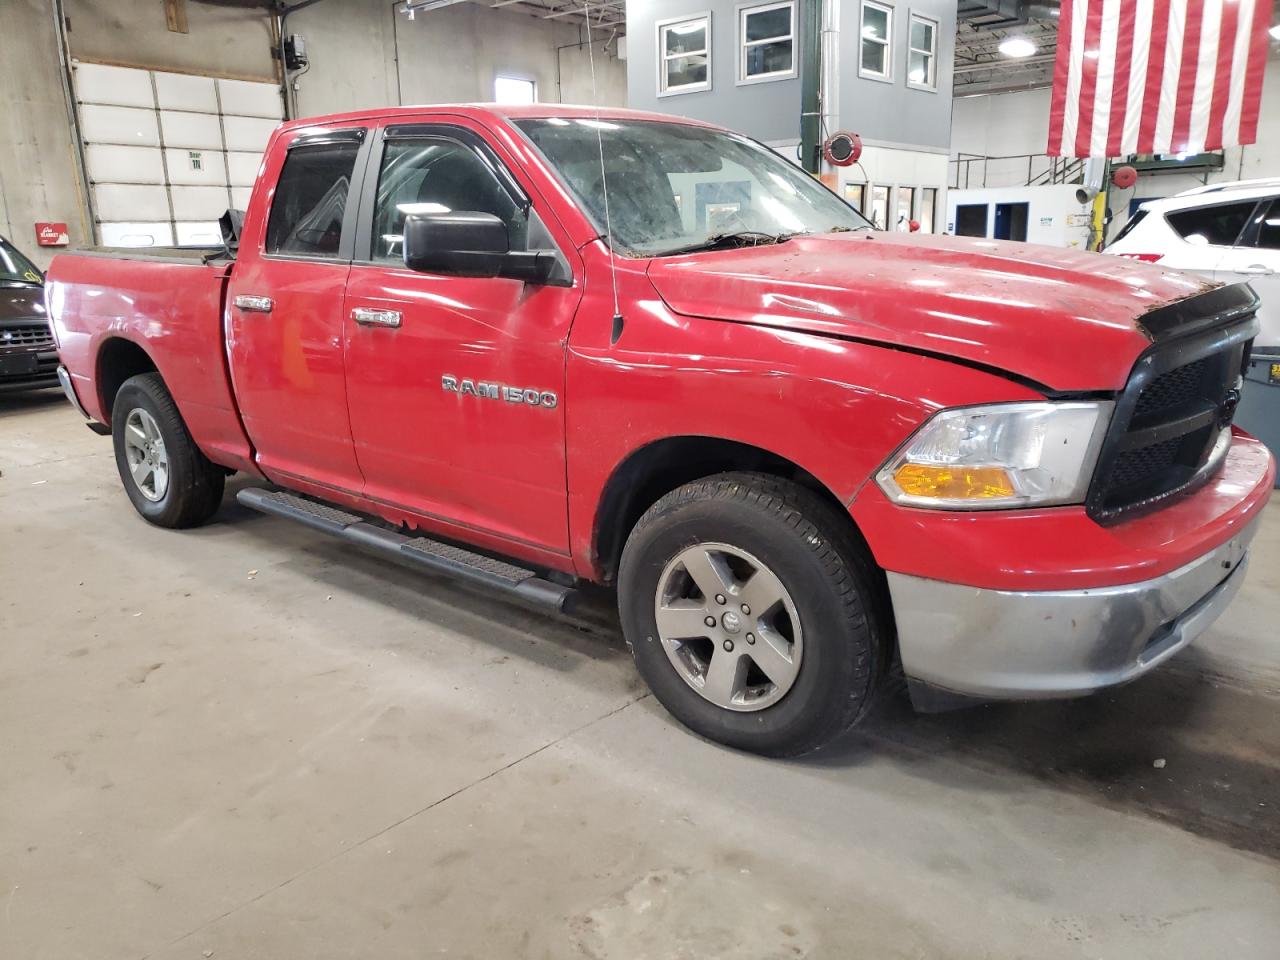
(973,171)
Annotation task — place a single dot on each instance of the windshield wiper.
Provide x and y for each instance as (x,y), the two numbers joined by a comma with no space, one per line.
(727,241)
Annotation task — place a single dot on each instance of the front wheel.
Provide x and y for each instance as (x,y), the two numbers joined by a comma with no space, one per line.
(752,613)
(168,480)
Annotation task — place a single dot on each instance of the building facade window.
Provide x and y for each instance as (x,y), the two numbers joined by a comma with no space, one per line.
(684,55)
(514,90)
(878,214)
(906,200)
(928,205)
(855,193)
(766,38)
(922,53)
(876,55)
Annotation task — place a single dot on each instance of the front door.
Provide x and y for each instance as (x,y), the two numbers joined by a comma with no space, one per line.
(285,319)
(456,385)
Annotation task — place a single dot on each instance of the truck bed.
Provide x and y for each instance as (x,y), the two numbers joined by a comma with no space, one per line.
(170,304)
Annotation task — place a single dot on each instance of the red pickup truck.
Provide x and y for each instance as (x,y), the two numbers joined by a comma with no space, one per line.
(533,346)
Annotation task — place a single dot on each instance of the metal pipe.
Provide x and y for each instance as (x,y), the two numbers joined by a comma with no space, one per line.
(89,228)
(810,84)
(829,79)
(1007,64)
(282,16)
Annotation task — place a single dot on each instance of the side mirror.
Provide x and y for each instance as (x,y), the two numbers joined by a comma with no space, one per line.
(467,243)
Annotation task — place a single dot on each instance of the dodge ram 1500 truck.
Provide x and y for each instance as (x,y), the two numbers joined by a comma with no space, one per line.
(533,346)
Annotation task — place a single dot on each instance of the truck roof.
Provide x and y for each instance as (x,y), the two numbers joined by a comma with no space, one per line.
(499,110)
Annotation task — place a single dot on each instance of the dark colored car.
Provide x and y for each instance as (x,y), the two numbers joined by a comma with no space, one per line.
(28,357)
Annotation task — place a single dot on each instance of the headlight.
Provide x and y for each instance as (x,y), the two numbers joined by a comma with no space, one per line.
(1000,455)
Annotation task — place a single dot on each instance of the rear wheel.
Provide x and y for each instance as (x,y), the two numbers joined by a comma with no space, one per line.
(168,480)
(752,613)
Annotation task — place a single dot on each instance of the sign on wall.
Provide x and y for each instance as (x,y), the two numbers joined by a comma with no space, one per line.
(51,234)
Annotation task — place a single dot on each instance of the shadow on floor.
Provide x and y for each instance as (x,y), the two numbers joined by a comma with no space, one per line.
(1174,746)
(1219,742)
(17,404)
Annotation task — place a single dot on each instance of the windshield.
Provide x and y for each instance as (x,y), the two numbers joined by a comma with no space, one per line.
(14,267)
(674,187)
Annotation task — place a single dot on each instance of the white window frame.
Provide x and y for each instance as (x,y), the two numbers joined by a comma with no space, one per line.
(887,76)
(930,82)
(933,209)
(661,27)
(744,11)
(533,86)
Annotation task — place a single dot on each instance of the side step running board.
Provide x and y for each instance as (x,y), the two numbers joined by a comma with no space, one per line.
(417,552)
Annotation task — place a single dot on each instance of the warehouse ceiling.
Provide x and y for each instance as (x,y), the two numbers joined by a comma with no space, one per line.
(607,15)
(982,25)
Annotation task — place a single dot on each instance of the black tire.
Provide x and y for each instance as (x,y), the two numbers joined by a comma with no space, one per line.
(833,583)
(195,485)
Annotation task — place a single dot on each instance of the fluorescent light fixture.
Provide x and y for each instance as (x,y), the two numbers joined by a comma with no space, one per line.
(411,7)
(1017,47)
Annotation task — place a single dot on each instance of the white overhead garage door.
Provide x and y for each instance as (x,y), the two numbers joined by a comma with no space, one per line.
(168,153)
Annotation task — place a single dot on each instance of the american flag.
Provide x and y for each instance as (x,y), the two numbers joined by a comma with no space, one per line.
(1157,76)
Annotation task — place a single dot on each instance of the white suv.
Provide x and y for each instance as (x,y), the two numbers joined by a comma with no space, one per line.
(1227,231)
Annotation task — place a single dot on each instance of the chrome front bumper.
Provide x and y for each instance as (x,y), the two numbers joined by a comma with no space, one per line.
(997,644)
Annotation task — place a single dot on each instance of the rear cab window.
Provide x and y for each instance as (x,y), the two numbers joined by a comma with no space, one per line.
(1216,226)
(310,201)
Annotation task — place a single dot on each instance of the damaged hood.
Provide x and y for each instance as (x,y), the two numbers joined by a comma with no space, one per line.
(1063,318)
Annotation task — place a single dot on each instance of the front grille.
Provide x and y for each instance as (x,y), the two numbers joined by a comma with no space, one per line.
(26,335)
(1137,466)
(1181,396)
(1172,389)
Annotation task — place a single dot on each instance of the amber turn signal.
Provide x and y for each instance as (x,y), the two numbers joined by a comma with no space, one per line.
(953,482)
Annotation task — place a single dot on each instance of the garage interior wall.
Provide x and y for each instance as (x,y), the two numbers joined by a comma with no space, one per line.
(363,54)
(1018,123)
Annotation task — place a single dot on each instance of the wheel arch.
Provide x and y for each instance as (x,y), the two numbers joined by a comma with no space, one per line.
(119,358)
(655,469)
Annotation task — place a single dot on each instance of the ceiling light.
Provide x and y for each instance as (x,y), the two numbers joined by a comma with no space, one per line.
(1275,32)
(1017,47)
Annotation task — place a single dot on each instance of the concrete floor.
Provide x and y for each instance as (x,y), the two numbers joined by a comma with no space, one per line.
(332,757)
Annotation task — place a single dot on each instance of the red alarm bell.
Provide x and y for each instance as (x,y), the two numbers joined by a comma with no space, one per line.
(842,149)
(1124,177)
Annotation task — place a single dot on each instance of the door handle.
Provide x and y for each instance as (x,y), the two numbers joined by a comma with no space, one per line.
(368,317)
(1257,268)
(251,304)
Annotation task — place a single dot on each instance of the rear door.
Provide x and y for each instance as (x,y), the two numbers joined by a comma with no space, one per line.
(285,320)
(1256,260)
(456,384)
(1208,233)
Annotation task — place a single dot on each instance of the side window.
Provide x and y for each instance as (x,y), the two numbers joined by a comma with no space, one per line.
(922,53)
(1217,226)
(1269,228)
(438,175)
(767,36)
(875,59)
(684,55)
(311,198)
